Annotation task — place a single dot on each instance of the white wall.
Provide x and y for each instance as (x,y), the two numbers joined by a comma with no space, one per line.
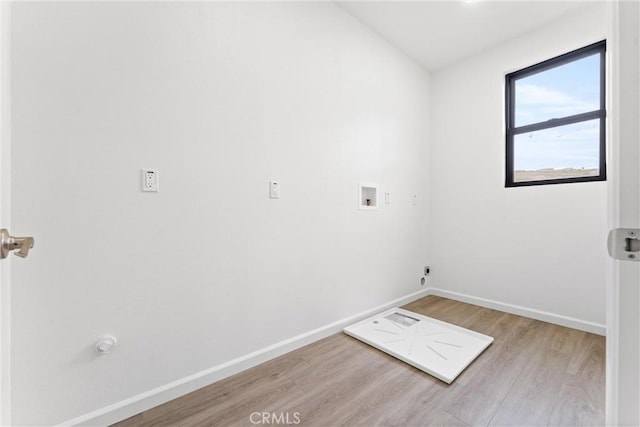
(539,247)
(220,98)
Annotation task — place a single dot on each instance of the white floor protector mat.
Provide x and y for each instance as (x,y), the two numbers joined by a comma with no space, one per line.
(438,348)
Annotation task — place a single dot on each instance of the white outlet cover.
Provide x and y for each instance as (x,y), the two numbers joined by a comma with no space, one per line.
(438,348)
(150,180)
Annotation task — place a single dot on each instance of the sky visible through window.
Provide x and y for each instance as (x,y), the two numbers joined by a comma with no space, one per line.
(563,91)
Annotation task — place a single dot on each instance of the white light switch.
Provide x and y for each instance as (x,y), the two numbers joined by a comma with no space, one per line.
(274,189)
(414,200)
(387,198)
(150,180)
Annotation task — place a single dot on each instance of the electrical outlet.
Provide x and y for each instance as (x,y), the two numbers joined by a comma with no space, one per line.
(150,180)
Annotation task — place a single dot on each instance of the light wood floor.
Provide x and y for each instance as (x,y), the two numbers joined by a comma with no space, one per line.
(534,373)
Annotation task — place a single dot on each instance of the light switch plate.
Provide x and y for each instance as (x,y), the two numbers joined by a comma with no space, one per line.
(274,189)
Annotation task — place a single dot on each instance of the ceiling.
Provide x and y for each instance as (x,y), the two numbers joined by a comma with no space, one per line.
(440,33)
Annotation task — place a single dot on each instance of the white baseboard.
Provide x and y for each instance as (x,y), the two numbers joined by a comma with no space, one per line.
(557,319)
(145,401)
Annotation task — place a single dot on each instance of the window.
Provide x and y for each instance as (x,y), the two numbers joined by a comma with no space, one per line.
(555,116)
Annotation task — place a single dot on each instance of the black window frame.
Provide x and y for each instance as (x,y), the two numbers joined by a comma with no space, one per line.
(511,130)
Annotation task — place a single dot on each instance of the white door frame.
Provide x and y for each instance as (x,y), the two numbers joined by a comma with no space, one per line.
(5,380)
(5,190)
(5,186)
(623,289)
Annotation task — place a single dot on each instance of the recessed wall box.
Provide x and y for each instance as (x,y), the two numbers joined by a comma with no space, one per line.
(367,196)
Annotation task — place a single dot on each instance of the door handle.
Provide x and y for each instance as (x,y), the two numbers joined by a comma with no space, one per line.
(9,243)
